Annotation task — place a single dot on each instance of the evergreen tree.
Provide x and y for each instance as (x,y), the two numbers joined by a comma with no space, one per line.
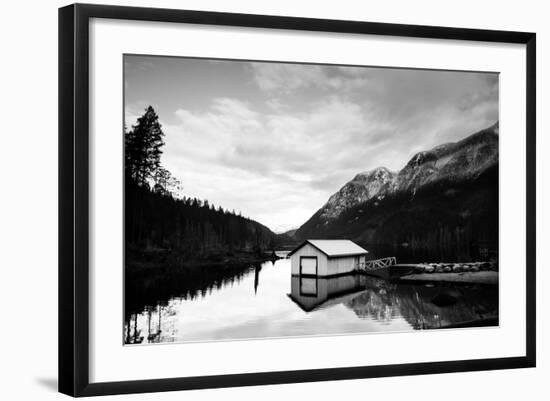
(143,148)
(158,216)
(167,184)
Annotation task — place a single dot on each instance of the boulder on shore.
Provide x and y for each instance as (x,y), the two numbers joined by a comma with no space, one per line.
(420,268)
(457,268)
(471,267)
(429,269)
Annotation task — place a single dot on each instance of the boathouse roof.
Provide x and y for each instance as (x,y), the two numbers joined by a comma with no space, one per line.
(333,247)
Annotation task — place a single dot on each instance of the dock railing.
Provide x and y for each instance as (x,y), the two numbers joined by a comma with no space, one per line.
(376,264)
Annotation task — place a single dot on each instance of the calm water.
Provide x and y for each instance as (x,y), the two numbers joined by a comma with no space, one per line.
(265,301)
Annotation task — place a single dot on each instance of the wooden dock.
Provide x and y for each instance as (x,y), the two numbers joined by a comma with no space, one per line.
(386,268)
(371,265)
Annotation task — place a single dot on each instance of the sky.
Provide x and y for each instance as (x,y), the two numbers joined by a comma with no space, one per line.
(275,140)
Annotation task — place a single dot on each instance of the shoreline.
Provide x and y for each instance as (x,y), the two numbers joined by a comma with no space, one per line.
(170,261)
(468,273)
(480,277)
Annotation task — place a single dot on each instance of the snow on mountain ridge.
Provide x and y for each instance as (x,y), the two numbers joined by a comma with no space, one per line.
(452,161)
(361,188)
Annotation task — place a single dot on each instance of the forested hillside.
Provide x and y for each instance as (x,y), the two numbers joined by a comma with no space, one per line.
(160,220)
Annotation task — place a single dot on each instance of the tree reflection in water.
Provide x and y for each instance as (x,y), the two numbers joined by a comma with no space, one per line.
(256,302)
(423,306)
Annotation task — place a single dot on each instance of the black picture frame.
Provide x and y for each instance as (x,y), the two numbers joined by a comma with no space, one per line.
(74,201)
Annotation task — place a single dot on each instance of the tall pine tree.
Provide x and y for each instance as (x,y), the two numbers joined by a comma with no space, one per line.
(143,148)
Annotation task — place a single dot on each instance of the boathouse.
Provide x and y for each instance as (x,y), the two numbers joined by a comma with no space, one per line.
(326,257)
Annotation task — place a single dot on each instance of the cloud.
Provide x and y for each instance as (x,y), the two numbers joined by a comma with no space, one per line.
(275,104)
(273,167)
(138,64)
(278,139)
(281,144)
(286,78)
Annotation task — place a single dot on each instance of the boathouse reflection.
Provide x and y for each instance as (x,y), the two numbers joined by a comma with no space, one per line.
(424,306)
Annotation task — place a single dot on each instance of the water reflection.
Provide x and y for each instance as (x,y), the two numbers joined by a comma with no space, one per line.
(256,278)
(427,306)
(265,301)
(422,306)
(312,293)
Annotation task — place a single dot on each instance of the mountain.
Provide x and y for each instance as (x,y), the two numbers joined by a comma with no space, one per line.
(458,161)
(290,233)
(442,204)
(363,187)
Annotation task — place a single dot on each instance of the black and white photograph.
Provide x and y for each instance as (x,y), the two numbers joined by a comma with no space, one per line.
(271,199)
(275,200)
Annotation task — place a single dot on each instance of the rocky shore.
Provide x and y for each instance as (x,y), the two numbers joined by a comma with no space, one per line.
(475,272)
(479,277)
(455,267)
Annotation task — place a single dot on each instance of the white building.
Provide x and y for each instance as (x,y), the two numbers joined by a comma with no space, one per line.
(324,257)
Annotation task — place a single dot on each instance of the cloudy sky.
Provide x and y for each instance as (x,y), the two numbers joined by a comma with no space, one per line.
(275,140)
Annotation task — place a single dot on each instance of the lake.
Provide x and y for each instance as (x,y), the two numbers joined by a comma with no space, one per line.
(266,301)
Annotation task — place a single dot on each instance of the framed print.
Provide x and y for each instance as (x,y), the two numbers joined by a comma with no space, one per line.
(290,197)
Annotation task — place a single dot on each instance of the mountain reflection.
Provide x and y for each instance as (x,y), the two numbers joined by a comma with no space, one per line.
(259,301)
(423,306)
